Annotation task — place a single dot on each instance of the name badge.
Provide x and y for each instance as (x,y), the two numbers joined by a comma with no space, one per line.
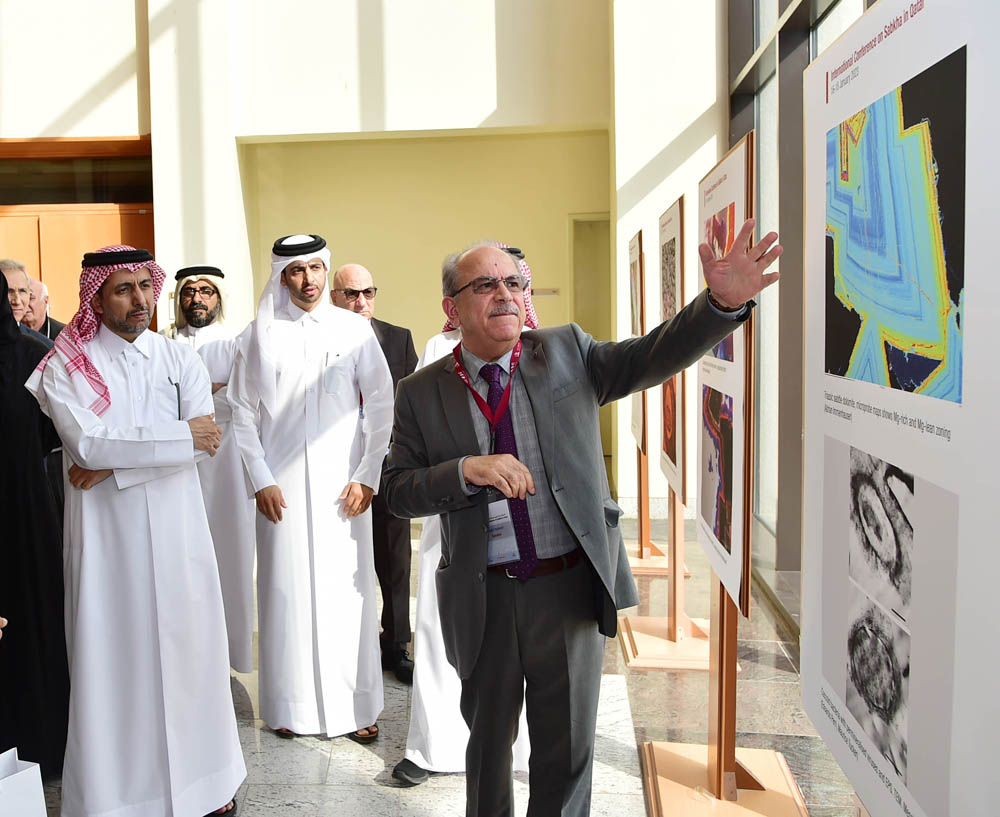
(502,543)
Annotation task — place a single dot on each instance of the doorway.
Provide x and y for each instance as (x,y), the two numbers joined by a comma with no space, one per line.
(593,302)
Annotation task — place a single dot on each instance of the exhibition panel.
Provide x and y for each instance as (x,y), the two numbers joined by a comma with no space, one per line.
(900,389)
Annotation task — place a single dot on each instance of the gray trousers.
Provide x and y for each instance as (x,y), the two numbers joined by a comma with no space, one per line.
(541,645)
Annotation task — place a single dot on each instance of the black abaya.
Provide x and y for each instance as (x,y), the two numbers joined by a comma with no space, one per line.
(34,677)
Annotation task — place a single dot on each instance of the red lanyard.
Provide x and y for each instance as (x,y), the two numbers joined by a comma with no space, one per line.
(484,407)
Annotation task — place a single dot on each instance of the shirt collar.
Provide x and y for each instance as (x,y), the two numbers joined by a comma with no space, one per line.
(473,364)
(116,345)
(296,313)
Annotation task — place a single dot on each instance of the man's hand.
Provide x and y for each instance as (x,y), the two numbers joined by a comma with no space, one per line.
(270,501)
(356,498)
(739,276)
(217,386)
(3,623)
(504,472)
(206,434)
(85,479)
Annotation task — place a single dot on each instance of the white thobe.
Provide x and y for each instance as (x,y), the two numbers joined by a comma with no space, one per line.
(318,649)
(438,735)
(151,726)
(223,484)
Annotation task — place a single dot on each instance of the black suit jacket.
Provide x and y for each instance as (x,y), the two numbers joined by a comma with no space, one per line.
(568,376)
(397,346)
(52,327)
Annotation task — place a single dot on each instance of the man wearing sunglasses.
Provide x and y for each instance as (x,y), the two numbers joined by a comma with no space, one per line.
(354,290)
(502,439)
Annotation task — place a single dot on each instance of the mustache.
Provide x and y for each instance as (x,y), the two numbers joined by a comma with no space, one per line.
(509,308)
(137,312)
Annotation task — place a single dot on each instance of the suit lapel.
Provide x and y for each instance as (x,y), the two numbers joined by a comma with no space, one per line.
(535,374)
(456,409)
(380,333)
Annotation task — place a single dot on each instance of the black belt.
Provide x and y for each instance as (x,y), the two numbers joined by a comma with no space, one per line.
(545,566)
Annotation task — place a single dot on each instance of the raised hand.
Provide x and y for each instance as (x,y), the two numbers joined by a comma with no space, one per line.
(739,276)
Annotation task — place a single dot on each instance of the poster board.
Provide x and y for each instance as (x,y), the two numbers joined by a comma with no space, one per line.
(670,289)
(637,301)
(899,657)
(724,203)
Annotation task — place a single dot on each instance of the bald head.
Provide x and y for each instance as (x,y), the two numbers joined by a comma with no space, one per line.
(38,305)
(354,289)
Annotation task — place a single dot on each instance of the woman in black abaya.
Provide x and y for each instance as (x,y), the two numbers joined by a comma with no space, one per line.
(34,677)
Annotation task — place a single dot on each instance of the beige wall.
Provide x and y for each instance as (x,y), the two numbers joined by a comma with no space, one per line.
(398,206)
(670,124)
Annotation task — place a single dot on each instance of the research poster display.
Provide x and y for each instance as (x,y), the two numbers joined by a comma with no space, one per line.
(724,198)
(900,555)
(670,287)
(637,299)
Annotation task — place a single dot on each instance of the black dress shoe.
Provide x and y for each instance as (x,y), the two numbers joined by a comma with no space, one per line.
(410,773)
(398,660)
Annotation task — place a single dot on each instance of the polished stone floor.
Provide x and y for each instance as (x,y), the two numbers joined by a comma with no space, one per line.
(672,706)
(314,777)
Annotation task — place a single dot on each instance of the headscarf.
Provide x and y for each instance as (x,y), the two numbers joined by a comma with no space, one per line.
(275,298)
(190,275)
(530,318)
(9,333)
(70,342)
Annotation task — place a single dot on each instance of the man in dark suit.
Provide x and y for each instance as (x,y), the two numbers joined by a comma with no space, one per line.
(37,316)
(502,439)
(354,289)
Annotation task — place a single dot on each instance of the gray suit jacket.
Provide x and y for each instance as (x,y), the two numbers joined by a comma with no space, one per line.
(568,376)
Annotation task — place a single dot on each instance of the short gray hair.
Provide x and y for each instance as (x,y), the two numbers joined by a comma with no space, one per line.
(9,264)
(450,273)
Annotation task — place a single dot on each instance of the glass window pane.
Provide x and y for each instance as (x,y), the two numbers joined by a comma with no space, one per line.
(834,23)
(766,478)
(766,19)
(72,181)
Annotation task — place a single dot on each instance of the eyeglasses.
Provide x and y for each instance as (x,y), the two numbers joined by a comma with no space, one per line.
(484,284)
(352,294)
(189,292)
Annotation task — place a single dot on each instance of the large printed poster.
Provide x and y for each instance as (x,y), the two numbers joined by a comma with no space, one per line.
(637,299)
(723,206)
(899,534)
(671,300)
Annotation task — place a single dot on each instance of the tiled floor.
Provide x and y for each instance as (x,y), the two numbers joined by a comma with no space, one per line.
(313,777)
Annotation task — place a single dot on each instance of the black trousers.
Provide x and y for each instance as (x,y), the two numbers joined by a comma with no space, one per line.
(391,541)
(541,642)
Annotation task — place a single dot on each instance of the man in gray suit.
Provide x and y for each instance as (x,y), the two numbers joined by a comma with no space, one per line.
(503,441)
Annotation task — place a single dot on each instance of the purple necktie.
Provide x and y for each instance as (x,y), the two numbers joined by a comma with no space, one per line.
(505,443)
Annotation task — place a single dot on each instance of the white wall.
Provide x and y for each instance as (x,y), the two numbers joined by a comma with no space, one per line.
(398,65)
(71,69)
(671,123)
(198,202)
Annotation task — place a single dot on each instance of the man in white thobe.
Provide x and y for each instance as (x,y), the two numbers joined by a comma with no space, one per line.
(199,302)
(312,410)
(151,730)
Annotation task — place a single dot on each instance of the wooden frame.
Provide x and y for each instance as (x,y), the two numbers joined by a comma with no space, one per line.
(740,781)
(76,148)
(678,642)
